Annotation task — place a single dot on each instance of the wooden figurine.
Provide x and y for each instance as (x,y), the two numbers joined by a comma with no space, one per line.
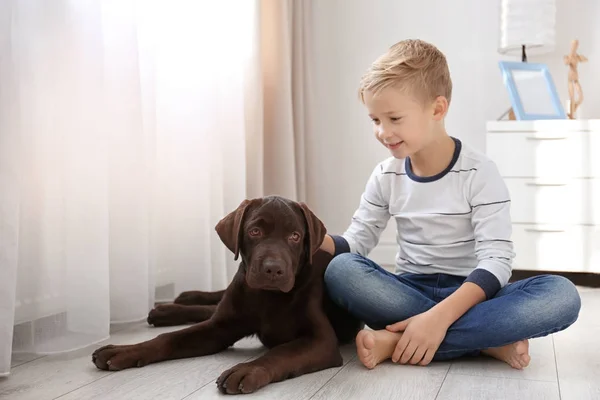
(572,60)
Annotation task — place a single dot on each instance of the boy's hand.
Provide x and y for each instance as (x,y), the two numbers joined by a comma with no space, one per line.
(422,336)
(424,333)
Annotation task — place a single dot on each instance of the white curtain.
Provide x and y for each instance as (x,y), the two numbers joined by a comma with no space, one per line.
(127,129)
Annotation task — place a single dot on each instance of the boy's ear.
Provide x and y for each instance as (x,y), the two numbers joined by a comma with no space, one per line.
(440,108)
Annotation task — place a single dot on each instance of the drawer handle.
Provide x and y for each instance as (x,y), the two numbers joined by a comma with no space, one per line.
(546,137)
(546,184)
(544,230)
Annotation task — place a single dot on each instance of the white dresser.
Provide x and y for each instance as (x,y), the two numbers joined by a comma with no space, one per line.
(552,170)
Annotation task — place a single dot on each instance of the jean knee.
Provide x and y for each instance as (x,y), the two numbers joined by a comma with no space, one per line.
(567,295)
(334,270)
(345,277)
(564,299)
(340,269)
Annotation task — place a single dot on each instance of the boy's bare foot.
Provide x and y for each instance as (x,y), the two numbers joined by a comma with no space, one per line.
(374,347)
(516,354)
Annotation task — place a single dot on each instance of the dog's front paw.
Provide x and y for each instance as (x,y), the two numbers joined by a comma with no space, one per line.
(116,358)
(243,378)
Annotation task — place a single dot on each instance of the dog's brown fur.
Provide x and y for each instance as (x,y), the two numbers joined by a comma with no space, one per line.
(277,294)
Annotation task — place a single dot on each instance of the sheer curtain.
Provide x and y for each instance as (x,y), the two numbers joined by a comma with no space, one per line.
(127,129)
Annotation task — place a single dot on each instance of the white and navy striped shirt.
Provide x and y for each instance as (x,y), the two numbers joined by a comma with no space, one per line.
(456,222)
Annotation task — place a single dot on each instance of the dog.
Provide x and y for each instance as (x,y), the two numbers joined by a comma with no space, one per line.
(277,294)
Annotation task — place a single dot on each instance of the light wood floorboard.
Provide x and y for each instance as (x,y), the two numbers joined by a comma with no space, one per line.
(564,366)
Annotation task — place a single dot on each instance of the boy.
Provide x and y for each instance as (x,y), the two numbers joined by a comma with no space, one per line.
(450,296)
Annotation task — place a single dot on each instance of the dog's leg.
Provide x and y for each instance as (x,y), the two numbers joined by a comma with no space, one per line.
(177,314)
(197,298)
(205,338)
(188,307)
(288,360)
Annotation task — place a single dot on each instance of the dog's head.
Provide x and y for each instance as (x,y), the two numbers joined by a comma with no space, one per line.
(274,237)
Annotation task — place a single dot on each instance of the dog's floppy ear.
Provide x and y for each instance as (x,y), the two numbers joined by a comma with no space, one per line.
(229,228)
(315,231)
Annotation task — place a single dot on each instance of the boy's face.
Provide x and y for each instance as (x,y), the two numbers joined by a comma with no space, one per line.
(402,123)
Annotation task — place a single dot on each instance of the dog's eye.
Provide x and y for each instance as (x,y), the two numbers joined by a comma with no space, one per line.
(254,232)
(295,237)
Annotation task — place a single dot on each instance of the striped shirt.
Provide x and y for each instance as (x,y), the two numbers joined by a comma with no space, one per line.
(456,222)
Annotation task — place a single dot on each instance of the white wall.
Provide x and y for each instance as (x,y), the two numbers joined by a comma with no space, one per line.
(347,35)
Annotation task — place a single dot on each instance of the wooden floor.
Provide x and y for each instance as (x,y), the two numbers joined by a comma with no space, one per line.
(564,366)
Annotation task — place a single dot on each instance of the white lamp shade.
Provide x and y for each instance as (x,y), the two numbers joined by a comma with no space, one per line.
(527,22)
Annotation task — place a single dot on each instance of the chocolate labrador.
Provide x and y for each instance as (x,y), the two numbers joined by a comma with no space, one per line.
(277,294)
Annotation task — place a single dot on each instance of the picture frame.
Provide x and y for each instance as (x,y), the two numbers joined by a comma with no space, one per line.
(531,90)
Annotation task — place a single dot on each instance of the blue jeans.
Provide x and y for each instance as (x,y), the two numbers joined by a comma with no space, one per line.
(525,309)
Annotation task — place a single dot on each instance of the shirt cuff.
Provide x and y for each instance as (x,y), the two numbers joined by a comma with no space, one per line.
(485,280)
(341,245)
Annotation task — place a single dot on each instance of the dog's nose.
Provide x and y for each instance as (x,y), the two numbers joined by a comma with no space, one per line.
(273,268)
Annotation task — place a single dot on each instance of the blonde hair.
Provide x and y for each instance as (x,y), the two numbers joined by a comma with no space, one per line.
(411,65)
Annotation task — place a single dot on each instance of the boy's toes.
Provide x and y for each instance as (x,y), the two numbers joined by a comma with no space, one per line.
(524,360)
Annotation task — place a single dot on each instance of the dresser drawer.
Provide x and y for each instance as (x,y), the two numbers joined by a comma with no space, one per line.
(556,248)
(554,200)
(551,154)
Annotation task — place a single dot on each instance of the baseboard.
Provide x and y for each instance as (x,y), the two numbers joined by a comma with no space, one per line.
(586,279)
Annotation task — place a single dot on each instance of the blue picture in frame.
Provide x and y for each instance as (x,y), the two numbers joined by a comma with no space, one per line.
(531,90)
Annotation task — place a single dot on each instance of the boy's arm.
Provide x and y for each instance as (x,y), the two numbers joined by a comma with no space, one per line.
(328,244)
(458,303)
(492,226)
(368,221)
